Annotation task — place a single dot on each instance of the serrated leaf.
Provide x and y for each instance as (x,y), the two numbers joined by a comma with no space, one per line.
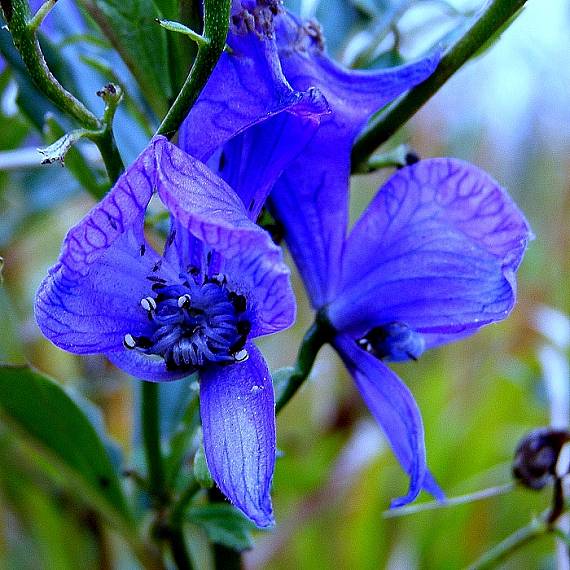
(131,28)
(43,415)
(223,524)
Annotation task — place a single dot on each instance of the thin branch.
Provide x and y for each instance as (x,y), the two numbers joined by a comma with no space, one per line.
(490,22)
(216,26)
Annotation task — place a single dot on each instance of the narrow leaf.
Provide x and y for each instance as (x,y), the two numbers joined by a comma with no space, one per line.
(131,28)
(201,471)
(38,409)
(223,524)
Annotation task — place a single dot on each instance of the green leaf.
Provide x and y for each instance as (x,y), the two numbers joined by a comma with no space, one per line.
(223,524)
(42,415)
(131,28)
(281,379)
(201,471)
(182,437)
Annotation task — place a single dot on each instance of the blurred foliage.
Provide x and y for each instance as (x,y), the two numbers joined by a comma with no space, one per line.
(335,475)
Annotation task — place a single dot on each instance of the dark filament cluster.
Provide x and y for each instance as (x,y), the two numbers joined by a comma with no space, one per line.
(196,322)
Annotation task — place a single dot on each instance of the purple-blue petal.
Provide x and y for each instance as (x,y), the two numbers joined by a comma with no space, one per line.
(145,367)
(210,211)
(251,162)
(310,199)
(89,300)
(394,408)
(237,408)
(437,248)
(353,95)
(247,87)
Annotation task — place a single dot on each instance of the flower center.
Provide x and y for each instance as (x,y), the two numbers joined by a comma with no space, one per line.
(195,323)
(394,341)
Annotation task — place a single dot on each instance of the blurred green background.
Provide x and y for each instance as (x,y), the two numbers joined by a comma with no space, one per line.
(507,112)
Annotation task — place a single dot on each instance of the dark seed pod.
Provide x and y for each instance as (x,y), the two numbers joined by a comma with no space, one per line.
(536,457)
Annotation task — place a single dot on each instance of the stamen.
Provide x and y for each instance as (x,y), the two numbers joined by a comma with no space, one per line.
(219,279)
(184,301)
(241,356)
(148,304)
(193,322)
(129,341)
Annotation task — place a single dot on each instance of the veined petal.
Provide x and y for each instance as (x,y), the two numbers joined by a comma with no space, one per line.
(395,409)
(310,199)
(89,300)
(207,208)
(353,95)
(437,248)
(145,367)
(247,86)
(252,161)
(238,419)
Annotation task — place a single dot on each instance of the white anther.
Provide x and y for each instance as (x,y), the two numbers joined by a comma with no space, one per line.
(148,304)
(241,356)
(364,344)
(184,301)
(218,278)
(129,341)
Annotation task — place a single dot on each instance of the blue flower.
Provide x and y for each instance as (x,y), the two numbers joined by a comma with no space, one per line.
(219,283)
(431,260)
(278,108)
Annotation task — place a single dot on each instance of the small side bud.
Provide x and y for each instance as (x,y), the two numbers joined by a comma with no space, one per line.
(536,457)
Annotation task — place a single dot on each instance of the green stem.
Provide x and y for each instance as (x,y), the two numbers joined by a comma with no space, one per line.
(40,15)
(314,339)
(176,538)
(151,440)
(518,539)
(216,26)
(485,27)
(23,30)
(110,154)
(183,501)
(180,552)
(17,14)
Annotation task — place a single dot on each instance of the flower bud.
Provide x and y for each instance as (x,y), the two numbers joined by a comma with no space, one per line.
(537,455)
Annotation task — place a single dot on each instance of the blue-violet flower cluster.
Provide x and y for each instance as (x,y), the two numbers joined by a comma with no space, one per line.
(431,260)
